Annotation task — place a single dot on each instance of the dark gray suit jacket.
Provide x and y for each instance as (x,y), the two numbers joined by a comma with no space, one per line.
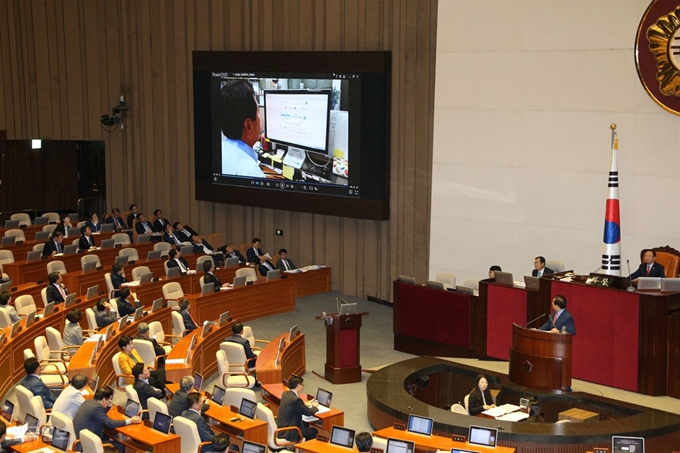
(290,414)
(206,434)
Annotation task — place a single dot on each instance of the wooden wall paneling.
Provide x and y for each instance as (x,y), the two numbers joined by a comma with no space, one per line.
(58,63)
(41,69)
(16,61)
(305,231)
(352,25)
(349,254)
(5,71)
(165,140)
(333,25)
(306,25)
(318,233)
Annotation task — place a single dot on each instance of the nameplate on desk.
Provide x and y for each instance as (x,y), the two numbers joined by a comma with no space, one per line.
(175,361)
(400,427)
(458,438)
(600,450)
(321,438)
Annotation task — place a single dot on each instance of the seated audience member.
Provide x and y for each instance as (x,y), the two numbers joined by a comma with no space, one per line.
(649,267)
(93,223)
(125,303)
(237,337)
(560,319)
(143,334)
(117,277)
(292,409)
(179,402)
(265,267)
(480,397)
(7,443)
(493,269)
(63,226)
(86,241)
(231,252)
(183,232)
(160,223)
(56,291)
(129,357)
(54,245)
(202,246)
(175,259)
(73,333)
(284,263)
(91,415)
(142,226)
(104,314)
(5,299)
(254,253)
(117,220)
(189,323)
(71,397)
(33,382)
(145,391)
(170,237)
(134,214)
(194,414)
(209,277)
(220,443)
(539,268)
(364,441)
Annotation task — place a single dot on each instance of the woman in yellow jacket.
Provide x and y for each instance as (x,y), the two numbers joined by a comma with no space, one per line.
(129,357)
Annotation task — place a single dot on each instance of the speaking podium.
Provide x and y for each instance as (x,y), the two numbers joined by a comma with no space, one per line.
(343,347)
(540,360)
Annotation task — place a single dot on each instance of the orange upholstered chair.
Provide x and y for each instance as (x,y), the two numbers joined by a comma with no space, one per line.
(669,258)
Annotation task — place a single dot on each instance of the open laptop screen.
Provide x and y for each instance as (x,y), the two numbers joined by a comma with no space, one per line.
(399,446)
(420,425)
(252,447)
(131,408)
(621,444)
(162,422)
(60,438)
(324,397)
(218,395)
(248,408)
(198,381)
(343,437)
(479,435)
(8,410)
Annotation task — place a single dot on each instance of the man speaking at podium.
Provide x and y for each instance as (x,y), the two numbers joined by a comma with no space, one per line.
(561,320)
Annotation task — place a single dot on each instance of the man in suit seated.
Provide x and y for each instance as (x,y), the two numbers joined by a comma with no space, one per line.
(117,277)
(284,263)
(160,223)
(125,305)
(189,323)
(171,238)
(649,267)
(539,268)
(5,299)
(63,226)
(183,232)
(94,223)
(143,334)
(265,267)
(92,416)
(144,389)
(237,337)
(134,214)
(194,414)
(117,220)
(175,259)
(292,409)
(86,241)
(561,320)
(103,314)
(54,245)
(33,382)
(142,226)
(231,252)
(209,277)
(56,292)
(254,253)
(180,402)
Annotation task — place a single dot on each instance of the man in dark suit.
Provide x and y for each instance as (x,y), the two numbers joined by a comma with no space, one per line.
(539,268)
(134,213)
(86,240)
(189,323)
(284,263)
(117,220)
(160,223)
(194,414)
(142,226)
(92,416)
(237,330)
(175,259)
(292,409)
(33,382)
(143,334)
(180,402)
(231,252)
(265,267)
(117,277)
(170,237)
(63,226)
(54,245)
(561,320)
(55,290)
(183,232)
(254,253)
(209,277)
(144,389)
(649,267)
(125,306)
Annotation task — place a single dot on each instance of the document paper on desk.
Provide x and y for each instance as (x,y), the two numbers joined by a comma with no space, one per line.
(501,410)
(513,416)
(18,432)
(312,418)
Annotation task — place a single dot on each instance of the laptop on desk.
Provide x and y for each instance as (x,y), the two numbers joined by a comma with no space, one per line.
(70,249)
(531,282)
(108,244)
(41,220)
(60,438)
(41,236)
(153,255)
(649,283)
(230,262)
(144,239)
(173,272)
(504,278)
(106,227)
(131,408)
(33,255)
(90,266)
(162,423)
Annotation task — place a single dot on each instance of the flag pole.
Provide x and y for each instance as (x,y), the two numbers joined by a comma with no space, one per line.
(611,241)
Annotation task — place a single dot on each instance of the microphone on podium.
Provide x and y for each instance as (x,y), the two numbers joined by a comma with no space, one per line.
(534,320)
(630,288)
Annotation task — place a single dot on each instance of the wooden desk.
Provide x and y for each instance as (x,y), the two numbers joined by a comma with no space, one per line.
(272,394)
(292,359)
(27,447)
(434,443)
(578,415)
(317,446)
(253,430)
(311,282)
(20,250)
(143,438)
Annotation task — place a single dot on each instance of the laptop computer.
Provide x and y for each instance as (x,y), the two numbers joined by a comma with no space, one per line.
(15,329)
(622,444)
(92,291)
(32,424)
(146,277)
(480,435)
(407,279)
(108,244)
(420,425)
(49,309)
(60,438)
(247,408)
(106,227)
(230,262)
(41,236)
(465,290)
(218,395)
(207,288)
(9,224)
(71,249)
(41,220)
(239,281)
(90,266)
(670,284)
(198,381)
(139,314)
(253,447)
(5,287)
(33,255)
(156,305)
(504,278)
(131,408)
(121,259)
(292,332)
(153,255)
(8,410)
(324,397)
(531,282)
(273,275)
(434,285)
(173,272)
(187,250)
(224,318)
(7,241)
(162,422)
(30,319)
(206,329)
(70,300)
(399,446)
(122,322)
(144,239)
(94,382)
(348,308)
(649,283)
(342,437)
(74,232)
